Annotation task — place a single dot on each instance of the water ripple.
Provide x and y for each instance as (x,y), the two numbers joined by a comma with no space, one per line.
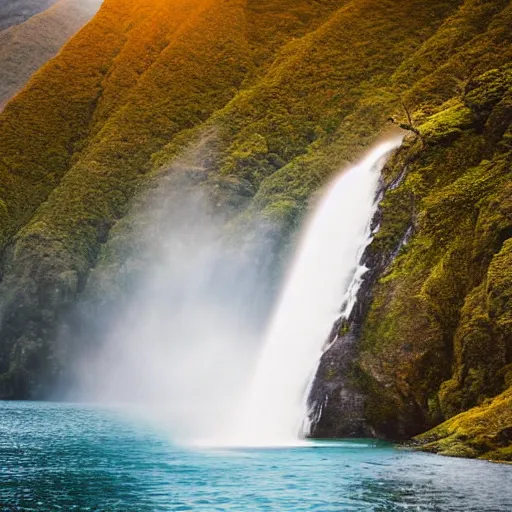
(77,458)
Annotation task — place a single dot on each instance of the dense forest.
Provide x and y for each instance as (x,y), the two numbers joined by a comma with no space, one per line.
(267,100)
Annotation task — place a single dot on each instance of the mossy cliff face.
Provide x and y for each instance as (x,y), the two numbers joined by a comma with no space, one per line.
(484,432)
(436,339)
(437,329)
(258,104)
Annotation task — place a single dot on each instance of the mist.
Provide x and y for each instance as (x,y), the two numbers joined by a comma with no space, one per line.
(178,346)
(193,339)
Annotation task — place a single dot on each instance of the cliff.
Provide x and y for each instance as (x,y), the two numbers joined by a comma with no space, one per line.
(269,99)
(433,336)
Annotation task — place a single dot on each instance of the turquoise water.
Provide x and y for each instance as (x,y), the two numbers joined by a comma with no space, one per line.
(68,457)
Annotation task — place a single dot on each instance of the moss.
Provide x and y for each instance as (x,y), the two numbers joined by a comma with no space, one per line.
(470,42)
(347,103)
(484,431)
(500,455)
(485,92)
(429,328)
(250,159)
(447,124)
(344,327)
(331,374)
(450,448)
(274,98)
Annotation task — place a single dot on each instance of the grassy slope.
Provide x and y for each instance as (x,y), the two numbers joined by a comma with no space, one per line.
(342,69)
(437,340)
(92,155)
(41,127)
(268,141)
(25,48)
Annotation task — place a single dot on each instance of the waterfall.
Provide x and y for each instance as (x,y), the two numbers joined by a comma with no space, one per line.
(325,275)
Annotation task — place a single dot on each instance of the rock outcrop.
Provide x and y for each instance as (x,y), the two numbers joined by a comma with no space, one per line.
(435,338)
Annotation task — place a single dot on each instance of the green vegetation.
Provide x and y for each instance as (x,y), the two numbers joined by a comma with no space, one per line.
(260,103)
(76,146)
(484,432)
(437,339)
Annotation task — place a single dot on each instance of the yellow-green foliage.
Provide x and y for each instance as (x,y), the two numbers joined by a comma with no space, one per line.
(141,72)
(469,43)
(484,432)
(447,124)
(40,128)
(433,342)
(499,295)
(323,99)
(76,143)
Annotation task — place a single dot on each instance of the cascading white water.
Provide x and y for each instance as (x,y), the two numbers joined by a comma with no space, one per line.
(325,274)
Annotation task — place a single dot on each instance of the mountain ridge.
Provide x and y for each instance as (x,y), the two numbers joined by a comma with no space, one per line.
(14,12)
(27,46)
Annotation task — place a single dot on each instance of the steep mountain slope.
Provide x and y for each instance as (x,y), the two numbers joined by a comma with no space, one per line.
(88,155)
(13,12)
(269,99)
(435,337)
(26,47)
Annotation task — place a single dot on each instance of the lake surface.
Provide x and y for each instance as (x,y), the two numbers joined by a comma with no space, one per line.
(74,457)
